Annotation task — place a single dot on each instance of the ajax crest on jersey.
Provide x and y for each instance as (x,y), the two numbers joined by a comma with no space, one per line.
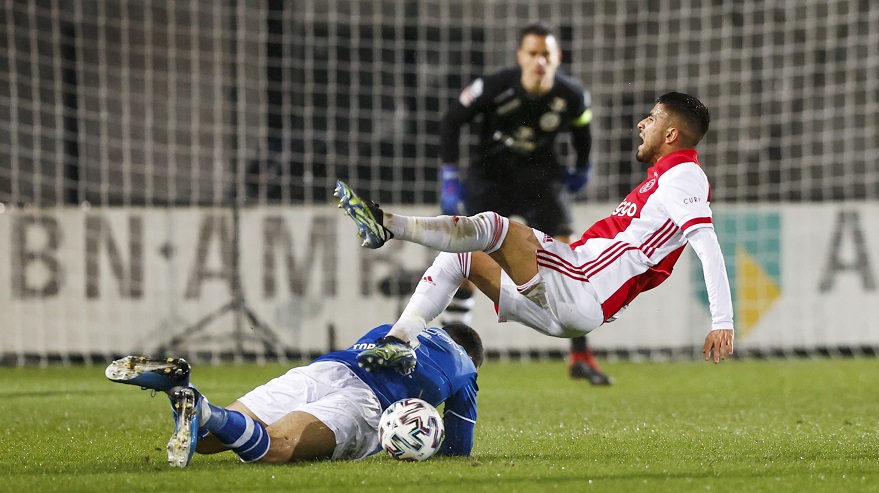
(647,186)
(411,430)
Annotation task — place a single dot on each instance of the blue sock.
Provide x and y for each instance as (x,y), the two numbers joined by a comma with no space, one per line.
(241,433)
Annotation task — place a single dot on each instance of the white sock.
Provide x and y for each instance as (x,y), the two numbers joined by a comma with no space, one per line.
(483,232)
(433,294)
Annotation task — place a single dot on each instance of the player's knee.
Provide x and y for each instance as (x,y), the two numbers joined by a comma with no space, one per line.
(521,233)
(492,226)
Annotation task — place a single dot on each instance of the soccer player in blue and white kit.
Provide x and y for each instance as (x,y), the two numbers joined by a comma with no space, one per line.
(328,409)
(568,290)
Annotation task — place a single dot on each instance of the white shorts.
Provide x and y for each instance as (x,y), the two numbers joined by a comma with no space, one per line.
(557,305)
(330,392)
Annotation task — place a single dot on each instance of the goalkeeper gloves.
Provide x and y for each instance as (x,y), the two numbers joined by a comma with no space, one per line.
(452,191)
(576,178)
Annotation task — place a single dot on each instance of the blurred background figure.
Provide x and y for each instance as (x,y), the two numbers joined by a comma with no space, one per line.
(515,169)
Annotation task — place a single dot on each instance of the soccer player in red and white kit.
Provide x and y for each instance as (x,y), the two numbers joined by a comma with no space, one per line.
(568,290)
(516,169)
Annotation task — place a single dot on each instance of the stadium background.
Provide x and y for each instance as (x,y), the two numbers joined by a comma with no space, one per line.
(159,159)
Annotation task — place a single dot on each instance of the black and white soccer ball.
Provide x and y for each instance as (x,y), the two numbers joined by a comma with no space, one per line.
(411,430)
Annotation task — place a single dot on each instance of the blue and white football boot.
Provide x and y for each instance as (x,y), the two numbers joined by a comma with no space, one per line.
(162,374)
(186,402)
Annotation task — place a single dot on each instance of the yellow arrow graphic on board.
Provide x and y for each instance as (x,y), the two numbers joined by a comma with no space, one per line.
(756,291)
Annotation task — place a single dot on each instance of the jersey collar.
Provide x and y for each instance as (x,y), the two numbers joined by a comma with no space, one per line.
(669,161)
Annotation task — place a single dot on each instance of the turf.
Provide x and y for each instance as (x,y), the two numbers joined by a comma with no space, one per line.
(793,425)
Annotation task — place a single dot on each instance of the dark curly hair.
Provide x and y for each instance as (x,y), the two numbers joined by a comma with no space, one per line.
(535,28)
(692,114)
(467,338)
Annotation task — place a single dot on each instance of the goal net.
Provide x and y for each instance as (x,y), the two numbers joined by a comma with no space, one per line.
(166,168)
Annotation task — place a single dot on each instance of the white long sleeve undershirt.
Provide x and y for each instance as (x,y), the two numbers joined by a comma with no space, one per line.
(704,243)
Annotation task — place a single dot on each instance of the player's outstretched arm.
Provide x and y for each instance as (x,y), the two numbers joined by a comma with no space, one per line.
(718,343)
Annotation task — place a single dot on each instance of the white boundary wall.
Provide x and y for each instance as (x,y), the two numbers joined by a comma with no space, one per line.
(142,275)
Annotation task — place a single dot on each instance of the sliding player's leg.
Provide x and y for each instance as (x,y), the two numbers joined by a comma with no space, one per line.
(162,374)
(318,411)
(299,436)
(229,429)
(341,425)
(193,415)
(210,444)
(295,437)
(187,404)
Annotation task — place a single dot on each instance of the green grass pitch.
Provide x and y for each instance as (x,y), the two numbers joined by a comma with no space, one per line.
(743,425)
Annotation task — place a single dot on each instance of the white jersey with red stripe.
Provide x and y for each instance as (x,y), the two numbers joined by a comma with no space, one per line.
(635,248)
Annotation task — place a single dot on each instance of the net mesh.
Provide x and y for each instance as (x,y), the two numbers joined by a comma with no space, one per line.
(164,103)
(167,105)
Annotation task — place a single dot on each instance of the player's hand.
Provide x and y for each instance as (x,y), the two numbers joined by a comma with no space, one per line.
(719,343)
(576,179)
(452,192)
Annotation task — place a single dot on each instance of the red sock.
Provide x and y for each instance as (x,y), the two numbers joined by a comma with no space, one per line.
(585,357)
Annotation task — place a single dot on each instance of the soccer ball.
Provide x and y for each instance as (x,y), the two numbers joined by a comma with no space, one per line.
(411,430)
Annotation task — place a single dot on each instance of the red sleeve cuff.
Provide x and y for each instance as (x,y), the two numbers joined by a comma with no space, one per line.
(692,222)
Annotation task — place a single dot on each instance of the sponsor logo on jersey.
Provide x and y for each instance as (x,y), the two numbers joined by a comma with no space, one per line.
(550,121)
(626,208)
(471,93)
(428,279)
(647,186)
